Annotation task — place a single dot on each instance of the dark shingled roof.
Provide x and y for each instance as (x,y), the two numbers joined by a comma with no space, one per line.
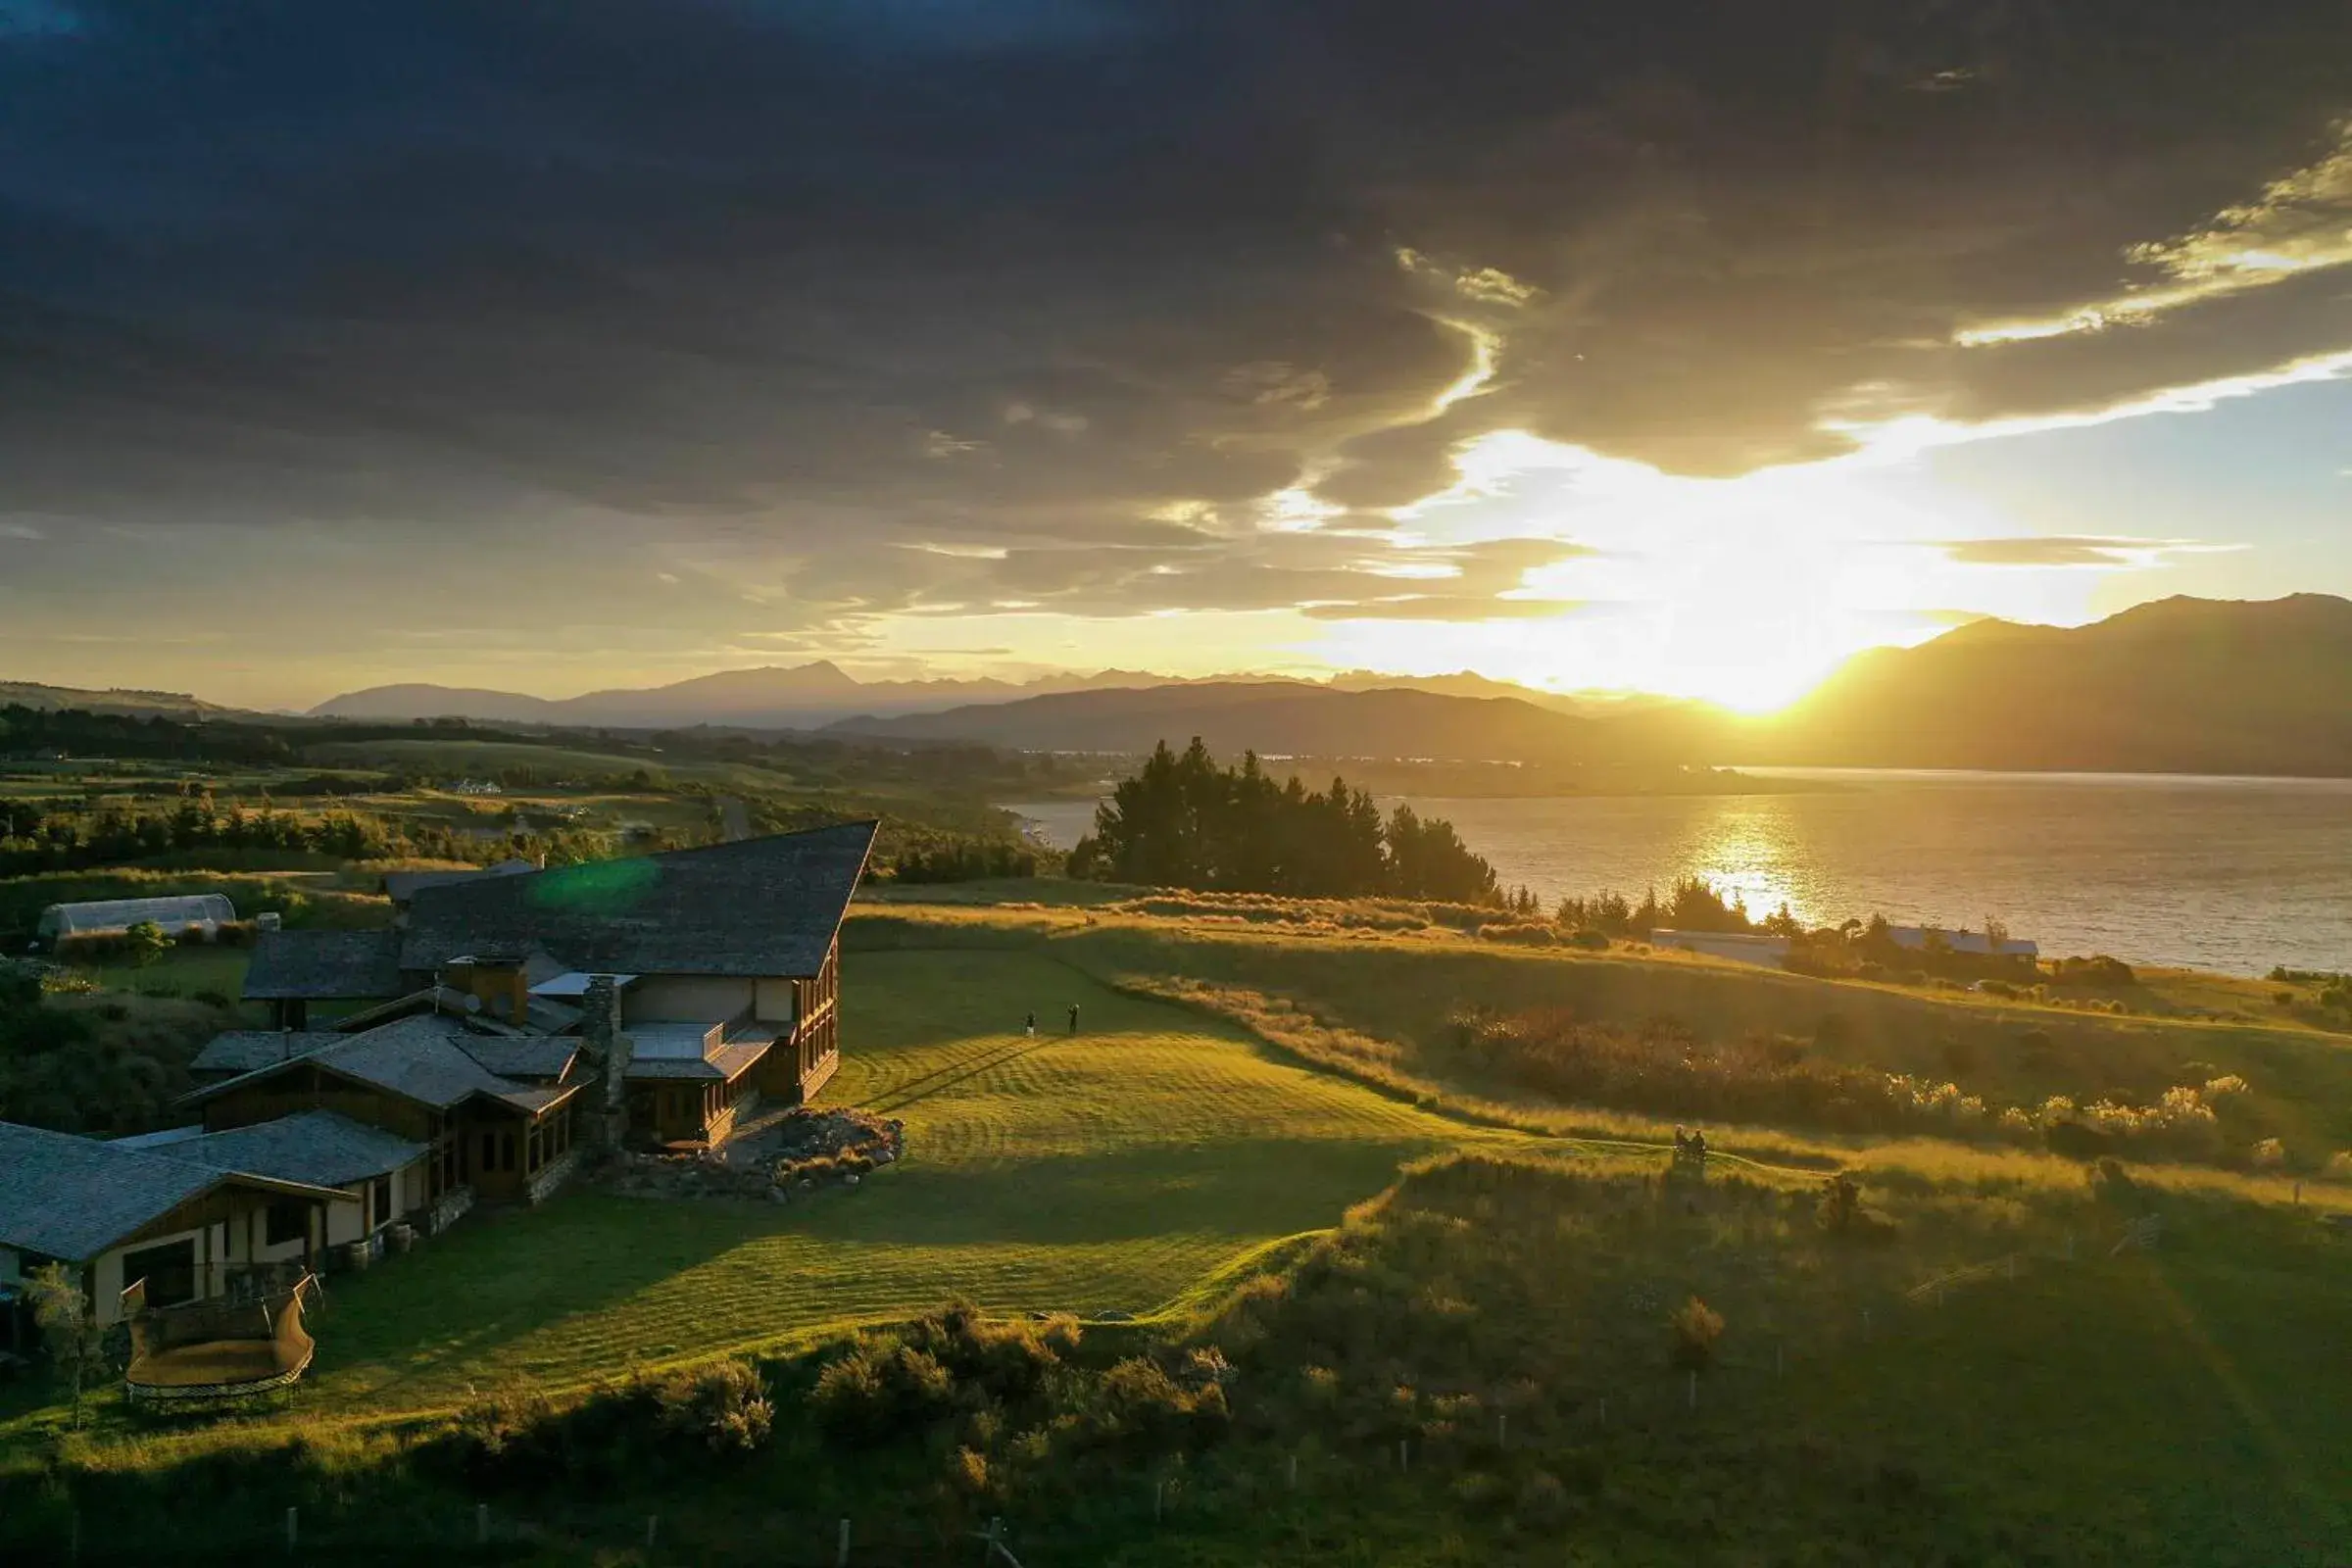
(402,886)
(522,1055)
(318,1146)
(323,966)
(243,1050)
(757,907)
(72,1198)
(422,1059)
(728,1062)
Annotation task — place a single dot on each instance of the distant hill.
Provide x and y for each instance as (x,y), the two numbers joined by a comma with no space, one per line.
(772,697)
(1272,719)
(139,704)
(814,695)
(2182,686)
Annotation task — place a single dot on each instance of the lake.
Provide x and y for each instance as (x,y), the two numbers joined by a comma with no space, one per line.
(2233,874)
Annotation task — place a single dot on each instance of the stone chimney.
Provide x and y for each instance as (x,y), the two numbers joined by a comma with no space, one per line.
(608,1050)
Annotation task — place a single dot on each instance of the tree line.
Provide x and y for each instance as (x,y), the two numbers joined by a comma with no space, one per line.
(1184,821)
(47,836)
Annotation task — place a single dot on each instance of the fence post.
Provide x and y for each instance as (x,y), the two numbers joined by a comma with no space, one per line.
(840,1554)
(1503,1429)
(1404,1460)
(1160,1497)
(1695,1388)
(481,1524)
(293,1531)
(653,1528)
(1293,1472)
(1604,1410)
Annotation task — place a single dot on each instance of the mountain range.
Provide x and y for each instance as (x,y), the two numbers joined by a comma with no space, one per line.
(2177,686)
(2180,685)
(810,696)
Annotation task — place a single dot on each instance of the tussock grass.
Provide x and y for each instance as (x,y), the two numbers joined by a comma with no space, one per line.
(1403,988)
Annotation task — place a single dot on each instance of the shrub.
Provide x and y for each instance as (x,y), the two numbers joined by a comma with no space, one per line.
(2270,1154)
(2096,970)
(1693,1328)
(1520,933)
(968,1473)
(2070,1139)
(1661,1067)
(1006,1361)
(1137,1409)
(876,1391)
(491,1426)
(1542,1501)
(145,942)
(723,1407)
(1589,940)
(1840,1204)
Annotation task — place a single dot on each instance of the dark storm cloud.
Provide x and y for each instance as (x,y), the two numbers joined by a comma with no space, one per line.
(795,287)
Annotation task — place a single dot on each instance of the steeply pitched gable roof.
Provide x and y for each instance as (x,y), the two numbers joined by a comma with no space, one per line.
(323,966)
(72,1198)
(757,907)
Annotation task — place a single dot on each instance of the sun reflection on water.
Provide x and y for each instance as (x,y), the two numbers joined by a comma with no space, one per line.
(1745,849)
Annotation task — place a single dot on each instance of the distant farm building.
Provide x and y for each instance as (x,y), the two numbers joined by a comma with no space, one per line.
(195,911)
(1915,939)
(1739,949)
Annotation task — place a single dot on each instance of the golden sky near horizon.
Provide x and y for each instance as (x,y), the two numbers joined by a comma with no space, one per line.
(551,353)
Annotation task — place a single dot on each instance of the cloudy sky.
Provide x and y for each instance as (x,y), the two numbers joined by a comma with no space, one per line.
(1680,345)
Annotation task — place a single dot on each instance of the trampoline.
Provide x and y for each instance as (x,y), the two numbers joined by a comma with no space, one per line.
(207,1352)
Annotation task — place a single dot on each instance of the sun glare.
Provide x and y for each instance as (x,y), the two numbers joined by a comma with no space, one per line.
(1744,592)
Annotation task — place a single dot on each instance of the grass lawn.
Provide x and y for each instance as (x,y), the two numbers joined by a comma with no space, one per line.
(180,972)
(1109,1172)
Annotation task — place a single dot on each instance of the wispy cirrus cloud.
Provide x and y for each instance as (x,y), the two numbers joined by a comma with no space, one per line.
(2108,552)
